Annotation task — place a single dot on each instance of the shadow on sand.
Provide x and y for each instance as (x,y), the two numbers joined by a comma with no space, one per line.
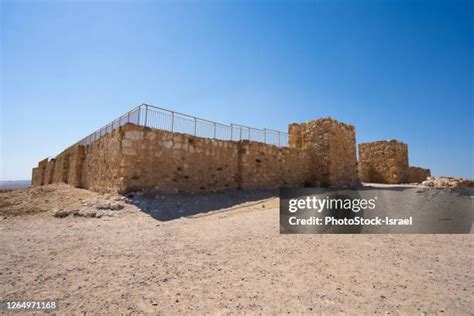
(433,210)
(170,206)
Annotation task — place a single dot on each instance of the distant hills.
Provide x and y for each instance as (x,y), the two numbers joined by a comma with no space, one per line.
(14,184)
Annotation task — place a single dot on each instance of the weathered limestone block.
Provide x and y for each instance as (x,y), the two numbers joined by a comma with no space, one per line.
(150,136)
(383,162)
(128,151)
(127,143)
(134,135)
(168,144)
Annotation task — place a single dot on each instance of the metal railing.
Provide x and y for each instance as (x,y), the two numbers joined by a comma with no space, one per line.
(155,117)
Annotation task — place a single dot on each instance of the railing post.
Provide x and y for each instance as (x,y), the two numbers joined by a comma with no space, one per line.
(231,131)
(195,125)
(128,117)
(279,145)
(265,135)
(250,138)
(240,129)
(146,114)
(214,130)
(139,110)
(172,121)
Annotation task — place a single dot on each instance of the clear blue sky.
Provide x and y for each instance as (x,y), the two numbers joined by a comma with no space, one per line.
(394,69)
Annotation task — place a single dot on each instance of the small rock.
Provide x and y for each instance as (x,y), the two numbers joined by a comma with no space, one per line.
(103,206)
(60,213)
(87,212)
(116,206)
(88,203)
(119,198)
(104,213)
(427,183)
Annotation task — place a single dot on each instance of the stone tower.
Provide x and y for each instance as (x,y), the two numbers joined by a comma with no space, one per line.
(384,162)
(332,145)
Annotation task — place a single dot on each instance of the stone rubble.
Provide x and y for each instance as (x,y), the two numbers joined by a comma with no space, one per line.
(109,206)
(447,182)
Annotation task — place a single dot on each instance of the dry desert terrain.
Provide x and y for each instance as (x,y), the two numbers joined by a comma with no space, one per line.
(218,253)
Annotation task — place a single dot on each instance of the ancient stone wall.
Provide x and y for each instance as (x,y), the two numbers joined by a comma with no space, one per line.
(320,153)
(49,171)
(101,164)
(176,162)
(383,162)
(295,137)
(332,145)
(96,166)
(134,157)
(38,173)
(37,176)
(417,174)
(267,166)
(76,161)
(61,167)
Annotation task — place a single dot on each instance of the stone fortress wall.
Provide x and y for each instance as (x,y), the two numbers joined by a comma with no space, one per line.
(383,162)
(134,157)
(320,153)
(387,162)
(332,146)
(95,166)
(178,162)
(417,174)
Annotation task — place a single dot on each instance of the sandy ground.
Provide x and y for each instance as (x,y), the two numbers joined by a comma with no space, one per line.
(226,260)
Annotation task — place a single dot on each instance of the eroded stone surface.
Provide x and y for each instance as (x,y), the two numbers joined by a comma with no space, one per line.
(332,144)
(387,162)
(383,162)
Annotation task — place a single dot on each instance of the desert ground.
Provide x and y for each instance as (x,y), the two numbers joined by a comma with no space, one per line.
(217,253)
